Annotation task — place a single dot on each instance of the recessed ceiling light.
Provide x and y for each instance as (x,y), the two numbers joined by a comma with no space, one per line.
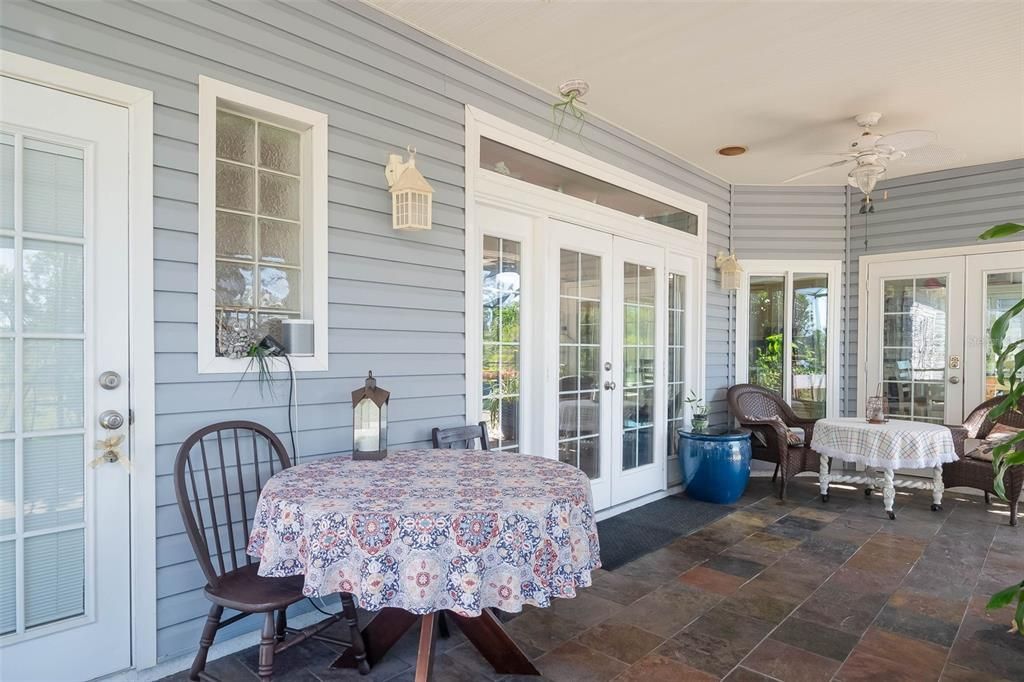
(732,150)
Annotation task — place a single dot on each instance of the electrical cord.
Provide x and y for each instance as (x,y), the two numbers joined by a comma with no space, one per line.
(291,398)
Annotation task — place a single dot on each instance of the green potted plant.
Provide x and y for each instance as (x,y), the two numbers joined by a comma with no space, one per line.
(698,412)
(1010,369)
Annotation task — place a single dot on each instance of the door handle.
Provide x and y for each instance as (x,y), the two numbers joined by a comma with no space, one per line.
(111,420)
(609,385)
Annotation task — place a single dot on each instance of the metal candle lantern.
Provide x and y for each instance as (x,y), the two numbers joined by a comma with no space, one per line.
(370,421)
(877,407)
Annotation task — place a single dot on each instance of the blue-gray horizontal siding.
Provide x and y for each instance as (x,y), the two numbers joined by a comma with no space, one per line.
(928,211)
(396,299)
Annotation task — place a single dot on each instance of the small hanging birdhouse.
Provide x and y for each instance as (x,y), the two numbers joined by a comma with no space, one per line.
(731,270)
(411,194)
(370,421)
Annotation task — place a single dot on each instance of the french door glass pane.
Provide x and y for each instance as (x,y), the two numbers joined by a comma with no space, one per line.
(1002,291)
(767,330)
(809,343)
(676,358)
(638,343)
(42,355)
(914,347)
(579,351)
(502,299)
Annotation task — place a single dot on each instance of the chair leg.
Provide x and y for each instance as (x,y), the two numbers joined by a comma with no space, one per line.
(348,606)
(267,641)
(776,474)
(1013,513)
(282,624)
(987,501)
(442,625)
(206,641)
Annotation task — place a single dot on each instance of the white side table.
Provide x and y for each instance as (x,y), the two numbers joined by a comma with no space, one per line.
(885,447)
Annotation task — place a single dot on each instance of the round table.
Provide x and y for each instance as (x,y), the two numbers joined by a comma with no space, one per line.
(424,531)
(885,447)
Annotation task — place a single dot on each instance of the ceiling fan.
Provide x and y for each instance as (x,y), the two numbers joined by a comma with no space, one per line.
(871,153)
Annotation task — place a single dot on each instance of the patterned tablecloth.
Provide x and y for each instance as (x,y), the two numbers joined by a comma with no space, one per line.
(425,530)
(893,445)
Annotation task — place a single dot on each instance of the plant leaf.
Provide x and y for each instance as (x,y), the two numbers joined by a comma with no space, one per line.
(1004,597)
(999,231)
(1000,326)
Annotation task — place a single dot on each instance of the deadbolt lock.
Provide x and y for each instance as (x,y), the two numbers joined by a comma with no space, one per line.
(110,380)
(111,420)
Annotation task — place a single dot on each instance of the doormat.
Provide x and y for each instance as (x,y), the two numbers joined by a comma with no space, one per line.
(640,531)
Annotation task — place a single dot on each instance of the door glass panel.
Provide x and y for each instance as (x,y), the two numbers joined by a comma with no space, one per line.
(42,385)
(809,345)
(676,358)
(637,365)
(1002,291)
(502,298)
(767,330)
(579,357)
(914,347)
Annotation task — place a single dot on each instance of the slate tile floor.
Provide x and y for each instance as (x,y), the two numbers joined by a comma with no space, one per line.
(796,591)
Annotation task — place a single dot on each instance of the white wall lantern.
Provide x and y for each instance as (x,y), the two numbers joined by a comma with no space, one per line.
(731,270)
(411,194)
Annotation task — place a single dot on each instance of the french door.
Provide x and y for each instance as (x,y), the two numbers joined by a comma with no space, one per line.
(64,523)
(928,323)
(604,346)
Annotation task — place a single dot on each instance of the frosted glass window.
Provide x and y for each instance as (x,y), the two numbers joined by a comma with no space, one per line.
(54,577)
(6,386)
(8,587)
(53,195)
(6,181)
(53,384)
(259,219)
(53,482)
(52,282)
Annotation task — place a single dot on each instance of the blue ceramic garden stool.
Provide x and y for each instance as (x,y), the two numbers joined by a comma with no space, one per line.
(715,464)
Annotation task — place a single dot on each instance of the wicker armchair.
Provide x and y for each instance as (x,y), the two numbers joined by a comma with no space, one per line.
(756,408)
(977,473)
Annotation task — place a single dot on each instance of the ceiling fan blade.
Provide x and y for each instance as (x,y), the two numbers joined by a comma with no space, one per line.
(908,139)
(834,164)
(934,154)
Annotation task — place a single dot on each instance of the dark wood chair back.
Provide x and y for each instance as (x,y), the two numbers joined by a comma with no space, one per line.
(218,475)
(461,437)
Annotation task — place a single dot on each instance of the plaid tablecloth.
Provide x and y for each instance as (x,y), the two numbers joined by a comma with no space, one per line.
(425,530)
(893,445)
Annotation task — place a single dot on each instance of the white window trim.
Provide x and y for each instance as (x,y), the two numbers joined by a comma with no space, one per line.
(787,268)
(314,218)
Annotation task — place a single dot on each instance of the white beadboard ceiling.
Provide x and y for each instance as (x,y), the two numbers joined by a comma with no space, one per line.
(783,78)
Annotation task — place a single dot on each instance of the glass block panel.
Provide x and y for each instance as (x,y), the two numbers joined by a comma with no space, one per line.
(280,149)
(280,288)
(53,285)
(53,193)
(235,236)
(7,283)
(280,242)
(53,389)
(279,196)
(6,386)
(235,187)
(234,285)
(7,182)
(7,509)
(54,577)
(8,587)
(236,137)
(54,475)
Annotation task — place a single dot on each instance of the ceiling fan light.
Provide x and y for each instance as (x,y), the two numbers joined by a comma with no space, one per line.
(866,177)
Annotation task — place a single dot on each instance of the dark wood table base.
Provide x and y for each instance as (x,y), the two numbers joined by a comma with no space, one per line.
(484,632)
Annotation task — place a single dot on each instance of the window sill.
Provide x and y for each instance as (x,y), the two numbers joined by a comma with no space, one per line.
(306,363)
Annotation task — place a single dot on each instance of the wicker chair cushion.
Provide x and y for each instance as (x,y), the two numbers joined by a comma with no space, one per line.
(794,434)
(982,449)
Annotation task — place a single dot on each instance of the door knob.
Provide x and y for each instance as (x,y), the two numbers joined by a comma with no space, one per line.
(954,380)
(111,420)
(110,380)
(609,385)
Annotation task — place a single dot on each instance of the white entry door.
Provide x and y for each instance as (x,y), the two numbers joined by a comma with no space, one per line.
(605,351)
(928,330)
(64,522)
